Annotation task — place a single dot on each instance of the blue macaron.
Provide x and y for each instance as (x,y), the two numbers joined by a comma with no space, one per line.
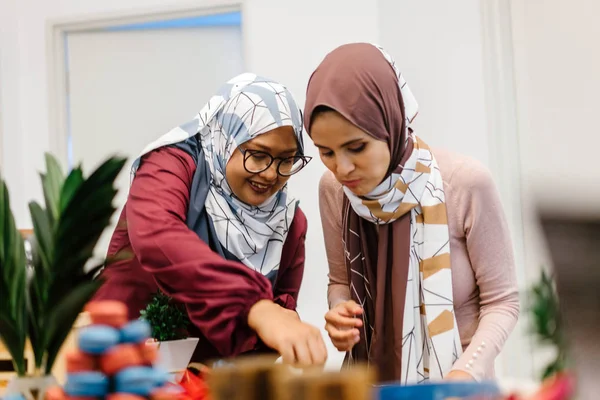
(161,376)
(135,332)
(97,339)
(136,380)
(86,384)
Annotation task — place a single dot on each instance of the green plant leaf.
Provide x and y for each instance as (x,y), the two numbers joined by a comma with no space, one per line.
(38,294)
(52,182)
(42,249)
(72,183)
(90,208)
(65,234)
(547,322)
(167,319)
(44,243)
(85,211)
(14,341)
(36,323)
(12,254)
(63,316)
(13,275)
(88,212)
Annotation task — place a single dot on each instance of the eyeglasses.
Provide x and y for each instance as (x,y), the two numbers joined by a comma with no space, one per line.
(256,161)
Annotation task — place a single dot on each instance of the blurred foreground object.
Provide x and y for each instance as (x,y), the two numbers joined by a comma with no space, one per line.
(558,387)
(260,378)
(574,245)
(255,378)
(193,385)
(111,360)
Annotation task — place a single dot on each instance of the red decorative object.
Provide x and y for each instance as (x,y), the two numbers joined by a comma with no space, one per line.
(558,387)
(194,387)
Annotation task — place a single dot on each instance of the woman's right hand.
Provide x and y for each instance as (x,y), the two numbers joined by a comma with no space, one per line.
(282,330)
(342,325)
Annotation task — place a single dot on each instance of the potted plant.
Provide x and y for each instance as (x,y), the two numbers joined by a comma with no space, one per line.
(169,322)
(40,304)
(547,323)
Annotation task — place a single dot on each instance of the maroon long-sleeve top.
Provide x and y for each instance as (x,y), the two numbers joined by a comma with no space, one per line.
(216,292)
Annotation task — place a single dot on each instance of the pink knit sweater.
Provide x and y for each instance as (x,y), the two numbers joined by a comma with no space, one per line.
(483,268)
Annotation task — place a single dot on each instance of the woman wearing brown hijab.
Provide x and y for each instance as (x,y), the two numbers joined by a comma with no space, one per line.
(422,278)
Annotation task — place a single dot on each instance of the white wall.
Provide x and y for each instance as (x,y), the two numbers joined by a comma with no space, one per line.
(556,63)
(110,95)
(438,47)
(457,58)
(10,120)
(282,39)
(556,45)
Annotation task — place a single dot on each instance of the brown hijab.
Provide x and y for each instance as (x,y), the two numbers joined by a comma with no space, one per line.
(359,83)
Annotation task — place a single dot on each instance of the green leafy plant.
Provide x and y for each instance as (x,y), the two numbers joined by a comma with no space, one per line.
(547,322)
(41,304)
(168,320)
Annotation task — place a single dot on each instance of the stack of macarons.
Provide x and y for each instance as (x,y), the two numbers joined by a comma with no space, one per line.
(112,360)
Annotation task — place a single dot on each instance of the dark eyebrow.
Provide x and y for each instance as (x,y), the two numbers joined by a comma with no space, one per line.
(348,143)
(268,149)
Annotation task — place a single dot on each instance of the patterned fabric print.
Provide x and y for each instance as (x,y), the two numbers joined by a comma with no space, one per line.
(431,341)
(247,106)
(411,107)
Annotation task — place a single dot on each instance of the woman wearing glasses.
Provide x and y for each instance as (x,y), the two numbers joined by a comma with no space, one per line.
(210,223)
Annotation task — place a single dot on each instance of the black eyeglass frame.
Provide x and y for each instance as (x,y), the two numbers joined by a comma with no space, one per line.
(249,153)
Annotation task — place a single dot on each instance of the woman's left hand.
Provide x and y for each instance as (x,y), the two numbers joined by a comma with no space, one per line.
(457,375)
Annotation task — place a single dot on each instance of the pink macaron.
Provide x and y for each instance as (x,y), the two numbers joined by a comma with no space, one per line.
(55,393)
(119,357)
(107,312)
(80,398)
(78,361)
(149,351)
(166,393)
(125,396)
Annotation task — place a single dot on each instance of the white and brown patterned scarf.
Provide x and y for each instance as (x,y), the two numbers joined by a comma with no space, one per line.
(396,239)
(245,107)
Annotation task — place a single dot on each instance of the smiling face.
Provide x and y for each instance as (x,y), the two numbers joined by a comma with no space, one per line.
(357,160)
(255,189)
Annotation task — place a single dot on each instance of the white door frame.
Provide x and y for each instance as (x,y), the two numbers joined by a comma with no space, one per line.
(504,123)
(56,31)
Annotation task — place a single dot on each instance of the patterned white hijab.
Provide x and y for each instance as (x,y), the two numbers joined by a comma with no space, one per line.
(246,107)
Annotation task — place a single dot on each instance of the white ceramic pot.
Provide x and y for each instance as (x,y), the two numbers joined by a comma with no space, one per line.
(31,387)
(175,355)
